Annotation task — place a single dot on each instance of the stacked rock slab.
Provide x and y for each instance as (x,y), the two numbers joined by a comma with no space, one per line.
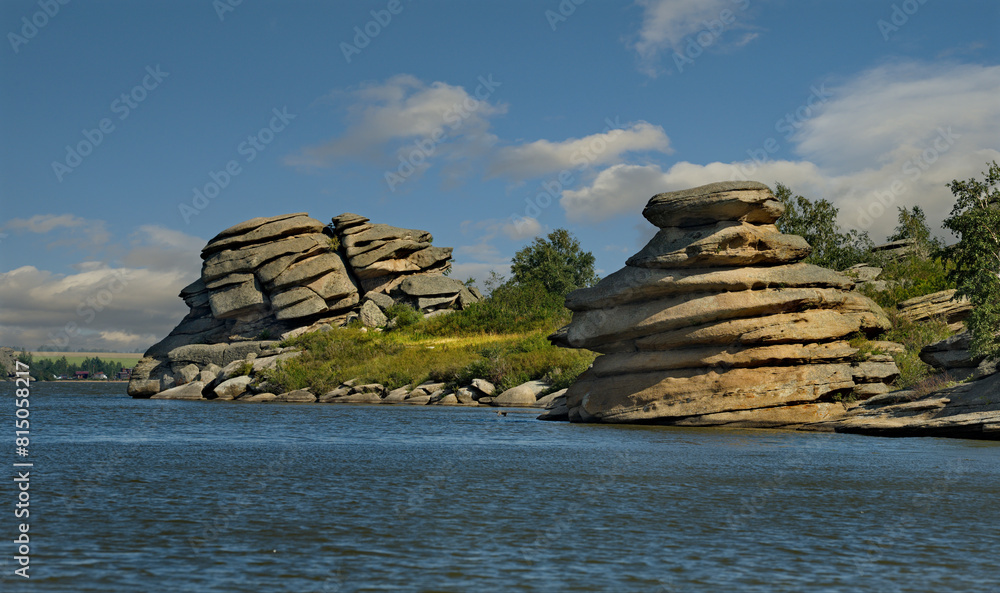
(714,322)
(382,256)
(282,276)
(259,279)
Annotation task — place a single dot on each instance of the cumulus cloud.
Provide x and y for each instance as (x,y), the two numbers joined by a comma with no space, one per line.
(124,306)
(893,136)
(543,156)
(97,307)
(668,25)
(519,228)
(404,114)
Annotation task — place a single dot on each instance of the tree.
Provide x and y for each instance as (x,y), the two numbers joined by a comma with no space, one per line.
(920,271)
(557,263)
(975,219)
(816,222)
(913,226)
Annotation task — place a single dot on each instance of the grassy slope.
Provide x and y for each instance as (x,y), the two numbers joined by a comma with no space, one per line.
(502,340)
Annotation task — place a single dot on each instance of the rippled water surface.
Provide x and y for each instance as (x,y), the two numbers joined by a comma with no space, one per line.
(214,496)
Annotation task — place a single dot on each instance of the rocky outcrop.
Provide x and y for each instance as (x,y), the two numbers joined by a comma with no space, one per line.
(965,410)
(715,322)
(952,356)
(8,362)
(938,305)
(270,278)
(382,256)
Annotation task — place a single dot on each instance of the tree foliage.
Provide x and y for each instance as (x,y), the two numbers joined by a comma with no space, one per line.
(975,219)
(921,271)
(912,226)
(47,369)
(556,262)
(816,222)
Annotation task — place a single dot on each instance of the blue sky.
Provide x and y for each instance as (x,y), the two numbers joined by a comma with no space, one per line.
(487,123)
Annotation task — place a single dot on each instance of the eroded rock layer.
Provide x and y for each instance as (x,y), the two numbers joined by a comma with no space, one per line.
(268,278)
(717,322)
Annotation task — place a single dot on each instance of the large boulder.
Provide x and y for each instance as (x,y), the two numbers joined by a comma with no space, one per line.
(192,390)
(715,322)
(523,395)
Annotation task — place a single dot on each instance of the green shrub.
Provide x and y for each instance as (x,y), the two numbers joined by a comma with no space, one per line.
(404,315)
(244,369)
(510,308)
(914,336)
(909,277)
(396,359)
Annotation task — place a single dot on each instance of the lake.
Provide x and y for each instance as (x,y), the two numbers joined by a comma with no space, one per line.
(141,495)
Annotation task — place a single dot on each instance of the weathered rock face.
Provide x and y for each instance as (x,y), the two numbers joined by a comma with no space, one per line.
(966,410)
(715,322)
(939,305)
(381,256)
(952,356)
(275,277)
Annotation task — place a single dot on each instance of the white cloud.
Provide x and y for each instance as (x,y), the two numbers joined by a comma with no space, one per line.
(522,228)
(128,305)
(97,307)
(892,136)
(671,24)
(158,248)
(543,156)
(395,116)
(85,233)
(44,223)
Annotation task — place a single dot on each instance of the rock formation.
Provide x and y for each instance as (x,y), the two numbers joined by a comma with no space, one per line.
(963,410)
(952,356)
(714,322)
(268,278)
(941,305)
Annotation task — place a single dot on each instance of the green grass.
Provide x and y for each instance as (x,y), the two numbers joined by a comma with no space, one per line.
(397,359)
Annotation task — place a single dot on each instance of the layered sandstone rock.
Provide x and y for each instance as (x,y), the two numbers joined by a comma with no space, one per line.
(943,305)
(267,278)
(715,322)
(962,410)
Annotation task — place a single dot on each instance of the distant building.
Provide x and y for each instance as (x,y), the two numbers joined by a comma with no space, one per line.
(83,374)
(124,374)
(100,375)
